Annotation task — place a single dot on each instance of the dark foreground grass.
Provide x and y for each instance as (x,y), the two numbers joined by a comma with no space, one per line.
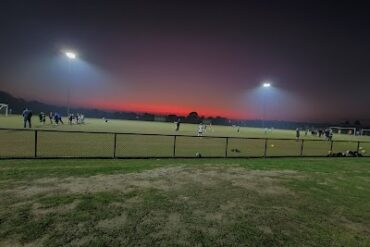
(205,202)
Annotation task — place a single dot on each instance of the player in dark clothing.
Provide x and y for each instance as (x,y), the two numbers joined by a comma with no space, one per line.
(297,134)
(329,134)
(326,133)
(178,125)
(27,115)
(70,118)
(58,118)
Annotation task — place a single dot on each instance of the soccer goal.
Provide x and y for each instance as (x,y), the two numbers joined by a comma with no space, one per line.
(344,130)
(4,109)
(365,132)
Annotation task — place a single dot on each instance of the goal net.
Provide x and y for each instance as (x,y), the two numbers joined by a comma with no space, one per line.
(4,109)
(365,132)
(344,130)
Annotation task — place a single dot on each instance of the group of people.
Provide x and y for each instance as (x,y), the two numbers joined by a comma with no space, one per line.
(327,133)
(202,127)
(54,117)
(76,118)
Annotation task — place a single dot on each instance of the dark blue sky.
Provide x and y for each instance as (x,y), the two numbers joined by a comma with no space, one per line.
(180,56)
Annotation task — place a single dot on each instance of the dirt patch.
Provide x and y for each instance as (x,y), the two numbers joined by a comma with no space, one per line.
(39,210)
(8,242)
(216,216)
(113,223)
(82,241)
(15,243)
(262,182)
(173,220)
(265,229)
(33,190)
(165,179)
(134,200)
(168,226)
(228,205)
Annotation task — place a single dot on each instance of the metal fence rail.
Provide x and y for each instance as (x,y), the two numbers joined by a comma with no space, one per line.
(30,143)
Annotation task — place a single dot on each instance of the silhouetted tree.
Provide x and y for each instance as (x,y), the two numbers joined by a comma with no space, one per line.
(193,117)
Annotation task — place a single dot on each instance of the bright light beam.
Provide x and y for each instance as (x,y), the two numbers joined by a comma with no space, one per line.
(70,55)
(266,84)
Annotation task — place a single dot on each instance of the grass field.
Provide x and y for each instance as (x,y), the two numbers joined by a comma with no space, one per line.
(50,144)
(239,202)
(164,128)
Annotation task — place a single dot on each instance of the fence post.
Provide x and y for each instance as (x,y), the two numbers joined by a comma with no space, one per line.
(35,154)
(114,145)
(226,146)
(174,147)
(358,146)
(302,144)
(265,151)
(331,146)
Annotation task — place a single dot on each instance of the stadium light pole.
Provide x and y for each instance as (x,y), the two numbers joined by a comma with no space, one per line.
(70,56)
(265,86)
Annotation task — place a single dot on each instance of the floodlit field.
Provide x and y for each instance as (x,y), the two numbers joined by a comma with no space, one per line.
(101,145)
(163,128)
(255,202)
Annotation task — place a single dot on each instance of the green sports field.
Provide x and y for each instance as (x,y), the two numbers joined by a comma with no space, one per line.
(193,202)
(179,202)
(62,144)
(93,124)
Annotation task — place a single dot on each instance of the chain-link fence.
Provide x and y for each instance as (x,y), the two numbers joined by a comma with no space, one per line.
(21,143)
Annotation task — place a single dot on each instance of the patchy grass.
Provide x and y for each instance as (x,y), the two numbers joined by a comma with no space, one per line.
(263,202)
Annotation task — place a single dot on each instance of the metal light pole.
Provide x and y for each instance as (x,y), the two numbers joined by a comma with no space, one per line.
(265,85)
(71,56)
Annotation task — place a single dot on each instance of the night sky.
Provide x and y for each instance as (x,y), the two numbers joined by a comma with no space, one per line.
(182,56)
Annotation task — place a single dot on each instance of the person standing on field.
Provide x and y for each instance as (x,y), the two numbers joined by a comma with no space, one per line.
(297,134)
(27,115)
(70,118)
(200,129)
(58,118)
(178,125)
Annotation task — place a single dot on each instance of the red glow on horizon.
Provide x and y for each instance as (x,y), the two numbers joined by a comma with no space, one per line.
(165,109)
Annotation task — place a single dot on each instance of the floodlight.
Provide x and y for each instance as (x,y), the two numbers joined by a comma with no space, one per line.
(266,84)
(70,54)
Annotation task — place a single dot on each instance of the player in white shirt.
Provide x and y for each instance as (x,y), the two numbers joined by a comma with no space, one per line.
(200,129)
